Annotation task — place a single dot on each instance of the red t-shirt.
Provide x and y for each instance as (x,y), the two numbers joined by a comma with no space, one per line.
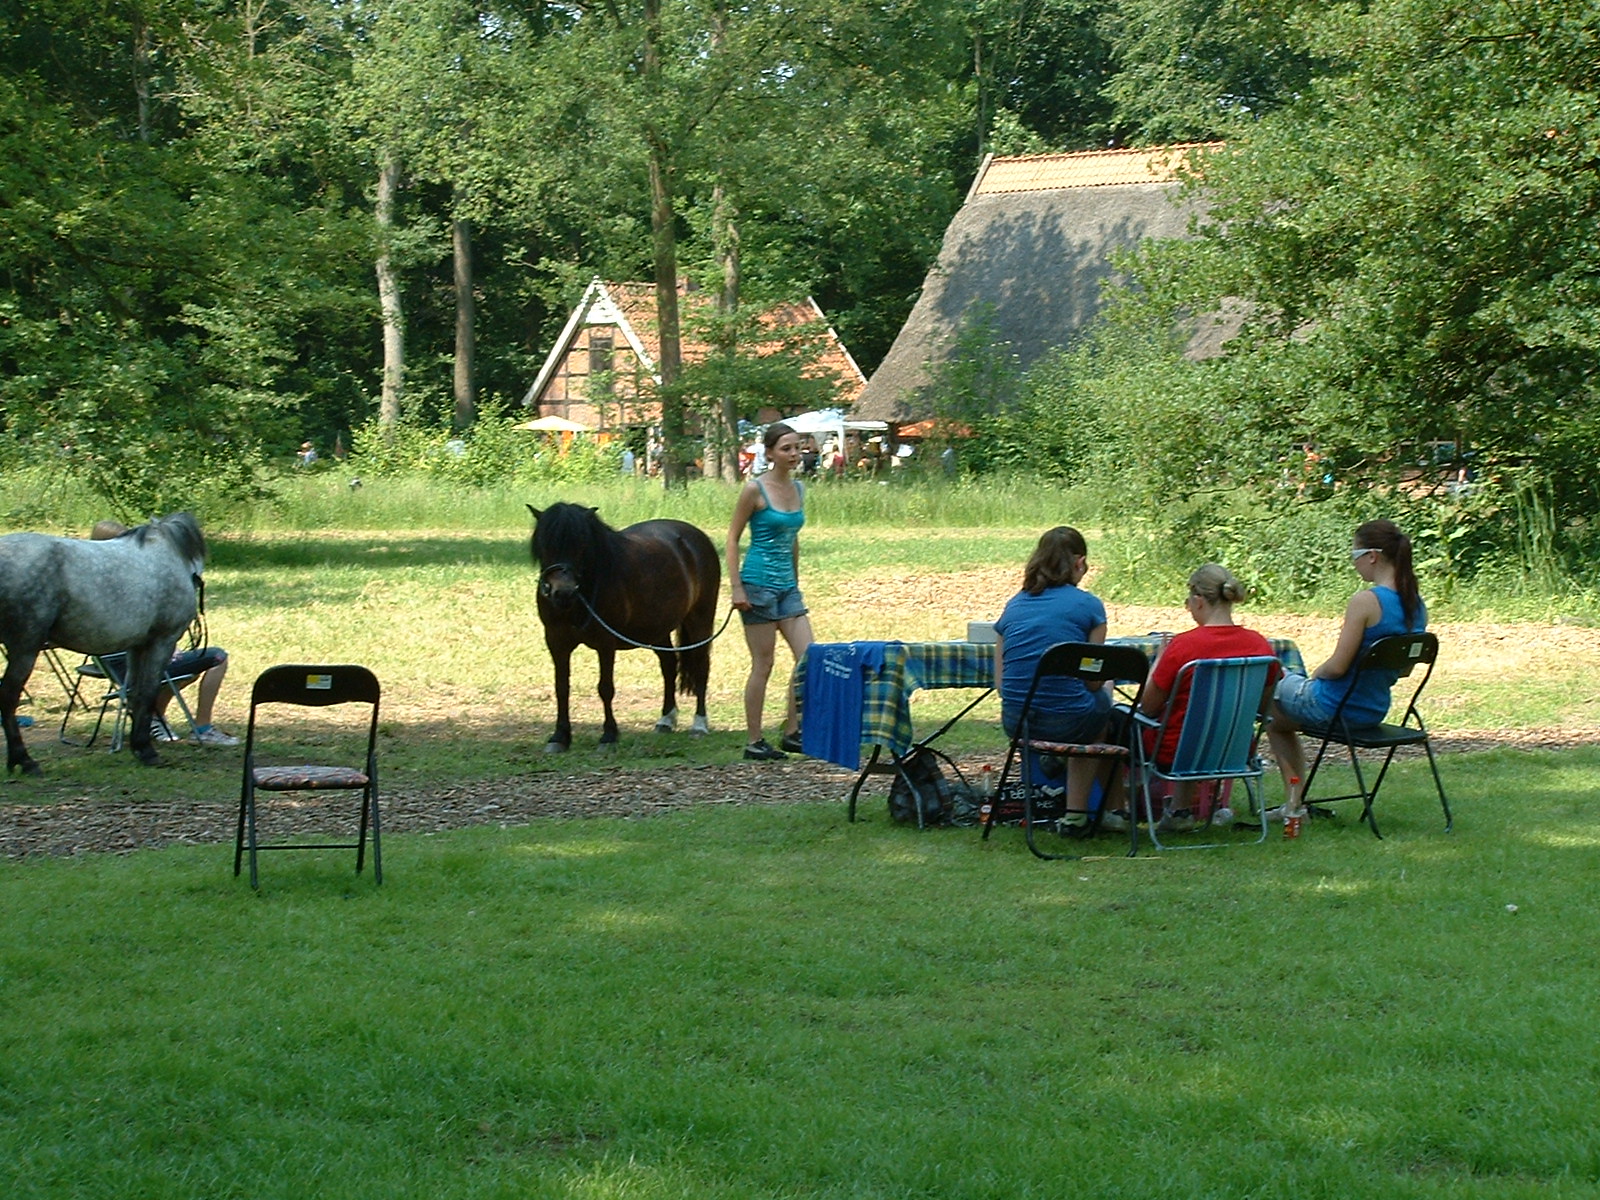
(1203,641)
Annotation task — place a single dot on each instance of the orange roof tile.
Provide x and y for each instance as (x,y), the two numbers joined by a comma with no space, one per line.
(637,301)
(1091,168)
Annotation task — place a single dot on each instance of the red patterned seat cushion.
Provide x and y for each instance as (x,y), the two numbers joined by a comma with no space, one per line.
(307,778)
(1084,749)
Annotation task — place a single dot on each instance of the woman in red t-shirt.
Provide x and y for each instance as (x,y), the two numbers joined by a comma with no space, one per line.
(1213,591)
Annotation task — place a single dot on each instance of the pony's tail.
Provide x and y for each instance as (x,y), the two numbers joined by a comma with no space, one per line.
(694,667)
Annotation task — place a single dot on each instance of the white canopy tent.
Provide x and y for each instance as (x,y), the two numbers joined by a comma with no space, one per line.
(553,425)
(830,420)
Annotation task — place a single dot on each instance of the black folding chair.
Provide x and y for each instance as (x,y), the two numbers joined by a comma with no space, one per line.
(309,686)
(111,671)
(1090,662)
(1397,656)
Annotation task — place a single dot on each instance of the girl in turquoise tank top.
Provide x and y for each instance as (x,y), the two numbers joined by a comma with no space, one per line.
(766,588)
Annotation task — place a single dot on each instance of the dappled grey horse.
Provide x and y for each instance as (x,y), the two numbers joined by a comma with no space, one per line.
(137,592)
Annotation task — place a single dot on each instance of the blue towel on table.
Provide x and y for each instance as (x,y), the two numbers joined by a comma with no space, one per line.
(836,674)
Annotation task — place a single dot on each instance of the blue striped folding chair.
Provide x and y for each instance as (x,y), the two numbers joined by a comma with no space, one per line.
(1226,704)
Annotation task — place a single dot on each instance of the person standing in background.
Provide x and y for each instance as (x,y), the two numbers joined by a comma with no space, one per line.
(766,587)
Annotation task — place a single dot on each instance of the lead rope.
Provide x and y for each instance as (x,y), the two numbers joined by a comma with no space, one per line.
(197,627)
(622,637)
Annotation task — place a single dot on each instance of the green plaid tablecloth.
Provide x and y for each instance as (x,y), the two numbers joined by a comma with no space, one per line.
(907,666)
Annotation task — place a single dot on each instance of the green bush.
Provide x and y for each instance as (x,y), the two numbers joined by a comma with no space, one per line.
(493,451)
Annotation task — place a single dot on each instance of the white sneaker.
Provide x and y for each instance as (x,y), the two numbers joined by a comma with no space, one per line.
(160,731)
(212,736)
(1178,821)
(1114,822)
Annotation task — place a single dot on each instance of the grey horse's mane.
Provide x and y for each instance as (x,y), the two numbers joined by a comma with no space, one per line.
(181,529)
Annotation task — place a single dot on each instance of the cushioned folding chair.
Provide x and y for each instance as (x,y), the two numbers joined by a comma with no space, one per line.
(308,686)
(1398,657)
(1220,731)
(111,671)
(1090,662)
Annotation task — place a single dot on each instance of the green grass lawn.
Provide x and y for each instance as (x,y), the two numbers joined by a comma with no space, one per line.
(768,1002)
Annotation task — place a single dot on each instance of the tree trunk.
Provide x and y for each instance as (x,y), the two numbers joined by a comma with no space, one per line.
(725,236)
(141,78)
(675,452)
(675,456)
(394,328)
(466,386)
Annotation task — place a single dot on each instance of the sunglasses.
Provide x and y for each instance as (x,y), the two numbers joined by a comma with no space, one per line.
(1359,551)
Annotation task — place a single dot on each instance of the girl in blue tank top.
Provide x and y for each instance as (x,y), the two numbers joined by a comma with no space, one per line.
(766,586)
(1381,555)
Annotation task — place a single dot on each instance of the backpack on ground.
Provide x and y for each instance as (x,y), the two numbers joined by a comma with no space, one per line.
(942,801)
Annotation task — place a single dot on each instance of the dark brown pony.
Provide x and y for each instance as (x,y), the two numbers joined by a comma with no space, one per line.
(624,589)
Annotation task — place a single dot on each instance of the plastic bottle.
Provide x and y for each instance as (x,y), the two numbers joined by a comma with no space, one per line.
(1293,810)
(986,796)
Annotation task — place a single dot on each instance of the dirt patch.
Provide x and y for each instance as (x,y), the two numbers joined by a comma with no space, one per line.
(89,826)
(901,604)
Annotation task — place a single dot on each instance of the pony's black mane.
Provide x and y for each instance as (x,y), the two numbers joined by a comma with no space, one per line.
(575,535)
(181,529)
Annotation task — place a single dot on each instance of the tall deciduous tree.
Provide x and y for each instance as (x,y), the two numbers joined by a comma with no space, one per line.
(154,282)
(1414,245)
(1192,70)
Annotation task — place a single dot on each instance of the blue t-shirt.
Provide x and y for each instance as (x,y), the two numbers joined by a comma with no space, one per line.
(1030,625)
(770,560)
(835,692)
(1369,705)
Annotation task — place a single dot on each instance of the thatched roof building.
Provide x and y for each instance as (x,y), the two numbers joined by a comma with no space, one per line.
(1031,246)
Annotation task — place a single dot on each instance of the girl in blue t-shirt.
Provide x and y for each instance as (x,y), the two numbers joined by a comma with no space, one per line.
(1052,608)
(1381,555)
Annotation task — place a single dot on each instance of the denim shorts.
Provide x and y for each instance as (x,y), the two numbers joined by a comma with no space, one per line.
(769,605)
(1047,726)
(1295,697)
(197,662)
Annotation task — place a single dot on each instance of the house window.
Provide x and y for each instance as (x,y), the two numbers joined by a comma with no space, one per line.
(602,358)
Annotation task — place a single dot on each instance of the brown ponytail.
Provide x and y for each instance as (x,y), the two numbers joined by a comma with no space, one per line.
(1385,537)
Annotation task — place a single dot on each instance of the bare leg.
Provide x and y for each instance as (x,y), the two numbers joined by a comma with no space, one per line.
(1182,795)
(1284,735)
(797,632)
(206,698)
(763,642)
(1081,773)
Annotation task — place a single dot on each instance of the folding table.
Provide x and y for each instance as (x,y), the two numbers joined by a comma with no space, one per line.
(892,672)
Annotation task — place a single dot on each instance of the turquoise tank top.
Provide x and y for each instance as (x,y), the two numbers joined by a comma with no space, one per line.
(770,561)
